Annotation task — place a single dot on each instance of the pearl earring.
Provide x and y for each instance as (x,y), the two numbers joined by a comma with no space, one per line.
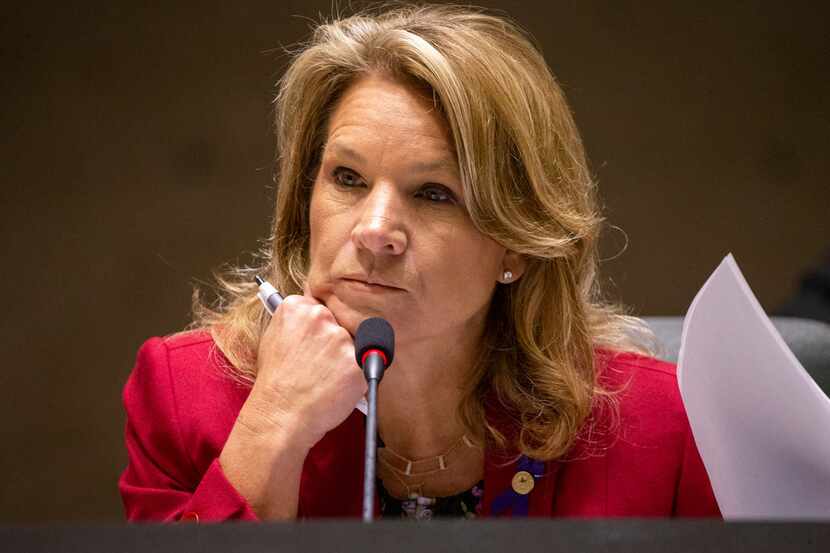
(508,276)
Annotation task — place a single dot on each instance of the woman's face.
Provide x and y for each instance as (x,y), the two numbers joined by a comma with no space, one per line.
(390,234)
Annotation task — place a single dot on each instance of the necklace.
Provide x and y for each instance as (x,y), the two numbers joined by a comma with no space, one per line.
(403,468)
(410,467)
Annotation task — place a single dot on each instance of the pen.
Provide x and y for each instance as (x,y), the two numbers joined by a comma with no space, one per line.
(268,295)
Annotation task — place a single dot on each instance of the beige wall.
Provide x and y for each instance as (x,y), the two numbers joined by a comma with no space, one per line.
(137,152)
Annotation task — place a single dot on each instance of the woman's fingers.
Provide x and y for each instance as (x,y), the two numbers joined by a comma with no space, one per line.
(306,366)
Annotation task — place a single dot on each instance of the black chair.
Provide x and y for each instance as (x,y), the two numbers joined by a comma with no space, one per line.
(809,340)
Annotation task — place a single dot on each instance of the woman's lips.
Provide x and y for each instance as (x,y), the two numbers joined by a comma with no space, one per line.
(369,286)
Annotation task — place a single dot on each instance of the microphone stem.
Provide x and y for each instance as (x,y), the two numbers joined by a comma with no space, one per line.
(371,451)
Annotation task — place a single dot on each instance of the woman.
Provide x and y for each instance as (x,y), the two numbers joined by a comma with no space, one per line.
(429,173)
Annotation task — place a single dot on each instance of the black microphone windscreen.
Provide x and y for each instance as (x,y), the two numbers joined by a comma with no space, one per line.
(374,333)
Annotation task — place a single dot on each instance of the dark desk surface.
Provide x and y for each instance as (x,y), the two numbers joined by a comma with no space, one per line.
(635,536)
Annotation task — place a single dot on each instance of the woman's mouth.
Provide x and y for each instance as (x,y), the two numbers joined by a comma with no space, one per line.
(369,286)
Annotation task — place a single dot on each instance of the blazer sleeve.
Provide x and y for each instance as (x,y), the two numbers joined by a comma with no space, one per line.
(161,481)
(694,496)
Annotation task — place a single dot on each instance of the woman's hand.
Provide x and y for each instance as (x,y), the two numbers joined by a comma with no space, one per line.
(307,384)
(307,376)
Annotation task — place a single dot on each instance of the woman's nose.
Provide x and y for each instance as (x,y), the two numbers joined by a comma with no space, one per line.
(381,226)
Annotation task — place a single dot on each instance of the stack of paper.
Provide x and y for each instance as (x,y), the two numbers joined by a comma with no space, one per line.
(761,423)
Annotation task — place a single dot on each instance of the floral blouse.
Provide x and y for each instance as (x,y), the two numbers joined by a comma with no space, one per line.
(463,505)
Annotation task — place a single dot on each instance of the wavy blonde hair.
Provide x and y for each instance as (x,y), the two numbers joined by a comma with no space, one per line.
(526,183)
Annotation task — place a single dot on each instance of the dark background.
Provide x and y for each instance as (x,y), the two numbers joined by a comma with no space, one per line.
(136,157)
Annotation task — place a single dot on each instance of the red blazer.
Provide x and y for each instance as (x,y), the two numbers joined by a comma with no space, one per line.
(181,405)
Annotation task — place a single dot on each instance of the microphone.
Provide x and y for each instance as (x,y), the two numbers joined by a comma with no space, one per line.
(374,348)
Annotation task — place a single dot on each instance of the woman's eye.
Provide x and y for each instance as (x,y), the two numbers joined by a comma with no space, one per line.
(436,193)
(346,177)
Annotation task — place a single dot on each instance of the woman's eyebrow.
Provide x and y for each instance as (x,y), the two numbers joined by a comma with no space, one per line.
(443,163)
(344,151)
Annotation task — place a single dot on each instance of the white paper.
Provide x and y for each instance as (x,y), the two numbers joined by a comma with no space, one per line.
(762,425)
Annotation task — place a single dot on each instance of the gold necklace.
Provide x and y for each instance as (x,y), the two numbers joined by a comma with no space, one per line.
(438,462)
(409,468)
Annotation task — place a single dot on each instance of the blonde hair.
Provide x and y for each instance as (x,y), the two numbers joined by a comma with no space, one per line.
(527,185)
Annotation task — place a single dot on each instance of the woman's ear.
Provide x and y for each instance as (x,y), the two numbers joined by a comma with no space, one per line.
(512,267)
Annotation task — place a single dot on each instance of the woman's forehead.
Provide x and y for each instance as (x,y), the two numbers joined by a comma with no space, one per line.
(383,106)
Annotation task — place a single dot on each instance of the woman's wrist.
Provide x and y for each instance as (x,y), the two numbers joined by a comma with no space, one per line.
(264,462)
(273,428)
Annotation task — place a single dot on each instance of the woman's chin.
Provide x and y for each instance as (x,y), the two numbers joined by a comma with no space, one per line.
(350,316)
